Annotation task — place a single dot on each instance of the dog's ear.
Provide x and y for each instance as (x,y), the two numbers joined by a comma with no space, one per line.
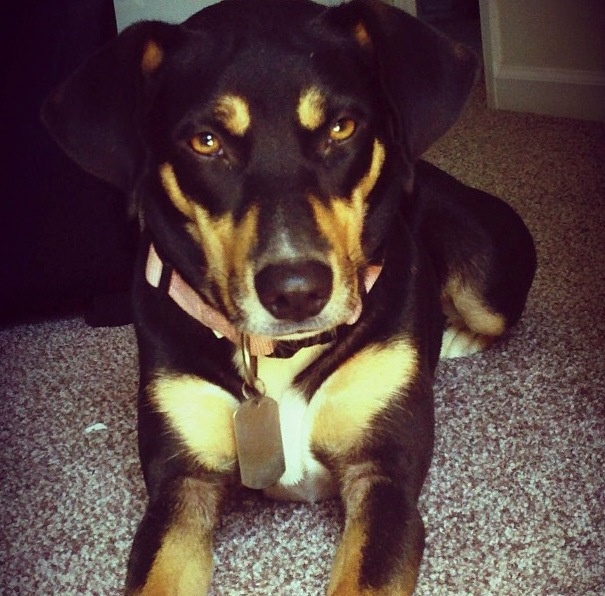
(94,114)
(426,76)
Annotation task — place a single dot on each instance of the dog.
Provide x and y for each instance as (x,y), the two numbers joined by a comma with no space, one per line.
(301,269)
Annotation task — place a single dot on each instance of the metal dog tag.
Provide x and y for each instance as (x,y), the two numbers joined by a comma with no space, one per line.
(259,444)
(258,438)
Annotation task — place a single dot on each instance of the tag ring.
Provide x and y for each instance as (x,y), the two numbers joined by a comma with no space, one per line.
(253,387)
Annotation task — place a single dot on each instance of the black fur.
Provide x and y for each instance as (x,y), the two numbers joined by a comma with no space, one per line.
(450,255)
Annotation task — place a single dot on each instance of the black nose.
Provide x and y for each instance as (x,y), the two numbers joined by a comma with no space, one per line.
(294,291)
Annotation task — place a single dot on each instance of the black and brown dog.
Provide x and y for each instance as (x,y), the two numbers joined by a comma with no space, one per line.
(298,267)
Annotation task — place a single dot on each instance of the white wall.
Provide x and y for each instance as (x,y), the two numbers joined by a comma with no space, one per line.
(176,11)
(545,56)
(172,11)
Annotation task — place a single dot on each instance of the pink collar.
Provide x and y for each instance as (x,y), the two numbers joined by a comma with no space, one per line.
(191,302)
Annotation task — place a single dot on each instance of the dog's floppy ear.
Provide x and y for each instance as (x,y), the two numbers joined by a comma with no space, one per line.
(427,76)
(94,114)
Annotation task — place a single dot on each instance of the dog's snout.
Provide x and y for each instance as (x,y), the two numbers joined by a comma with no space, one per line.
(294,291)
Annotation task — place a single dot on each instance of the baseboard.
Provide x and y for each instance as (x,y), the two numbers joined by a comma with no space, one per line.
(552,91)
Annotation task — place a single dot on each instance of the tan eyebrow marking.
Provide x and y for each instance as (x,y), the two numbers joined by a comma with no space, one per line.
(362,36)
(311,109)
(152,57)
(234,113)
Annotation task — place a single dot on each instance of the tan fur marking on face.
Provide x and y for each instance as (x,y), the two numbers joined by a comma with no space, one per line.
(341,221)
(234,113)
(368,182)
(153,55)
(226,243)
(227,246)
(174,192)
(201,415)
(360,389)
(311,108)
(183,563)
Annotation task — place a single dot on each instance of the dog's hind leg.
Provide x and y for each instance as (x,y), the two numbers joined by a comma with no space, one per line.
(471,325)
(484,257)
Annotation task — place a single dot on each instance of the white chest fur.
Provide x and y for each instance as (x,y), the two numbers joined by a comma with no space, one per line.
(340,416)
(305,479)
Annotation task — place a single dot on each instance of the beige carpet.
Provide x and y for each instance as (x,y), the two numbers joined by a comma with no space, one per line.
(515,502)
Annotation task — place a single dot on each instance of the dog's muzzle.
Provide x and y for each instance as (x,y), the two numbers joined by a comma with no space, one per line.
(288,291)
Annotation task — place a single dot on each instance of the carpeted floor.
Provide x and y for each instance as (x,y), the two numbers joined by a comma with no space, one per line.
(515,502)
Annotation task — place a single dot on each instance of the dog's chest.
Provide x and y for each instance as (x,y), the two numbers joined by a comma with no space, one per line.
(305,478)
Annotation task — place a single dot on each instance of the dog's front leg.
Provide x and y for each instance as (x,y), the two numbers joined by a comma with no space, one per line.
(373,428)
(172,550)
(383,540)
(188,456)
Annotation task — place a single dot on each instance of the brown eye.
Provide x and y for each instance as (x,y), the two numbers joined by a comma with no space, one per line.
(206,143)
(342,129)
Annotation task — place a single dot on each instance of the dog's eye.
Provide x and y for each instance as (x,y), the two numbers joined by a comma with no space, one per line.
(342,129)
(206,143)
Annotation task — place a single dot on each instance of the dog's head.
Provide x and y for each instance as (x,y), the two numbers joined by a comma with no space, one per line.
(266,144)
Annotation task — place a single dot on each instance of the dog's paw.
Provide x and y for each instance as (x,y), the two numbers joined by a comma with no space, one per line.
(463,342)
(354,590)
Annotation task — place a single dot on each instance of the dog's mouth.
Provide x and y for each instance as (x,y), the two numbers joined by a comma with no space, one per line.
(302,310)
(266,325)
